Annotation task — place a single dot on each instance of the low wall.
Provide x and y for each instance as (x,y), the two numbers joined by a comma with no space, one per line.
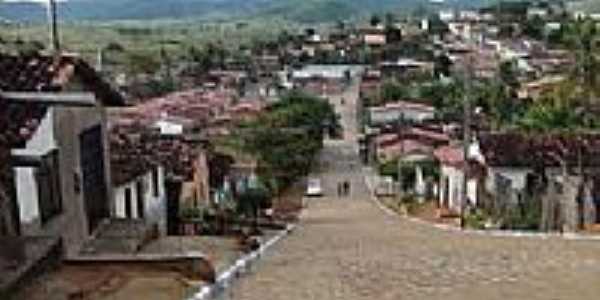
(40,255)
(194,266)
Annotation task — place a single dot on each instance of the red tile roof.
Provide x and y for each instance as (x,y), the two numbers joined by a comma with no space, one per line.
(406,147)
(450,155)
(49,73)
(520,150)
(135,143)
(39,73)
(197,105)
(135,150)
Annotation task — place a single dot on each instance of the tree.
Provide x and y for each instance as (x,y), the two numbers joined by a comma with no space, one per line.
(442,65)
(375,20)
(286,139)
(547,117)
(114,46)
(251,200)
(142,63)
(393,91)
(437,26)
(582,38)
(508,74)
(534,28)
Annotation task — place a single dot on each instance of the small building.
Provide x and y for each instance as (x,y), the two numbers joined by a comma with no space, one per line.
(373,37)
(139,188)
(144,159)
(54,183)
(405,68)
(67,192)
(452,180)
(392,113)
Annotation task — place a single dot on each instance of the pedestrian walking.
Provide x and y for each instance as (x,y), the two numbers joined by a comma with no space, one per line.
(346,188)
(339,189)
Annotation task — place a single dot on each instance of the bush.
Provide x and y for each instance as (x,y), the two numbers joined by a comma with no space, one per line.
(526,215)
(475,219)
(191,213)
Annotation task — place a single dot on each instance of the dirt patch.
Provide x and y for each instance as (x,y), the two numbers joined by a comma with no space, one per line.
(107,282)
(426,211)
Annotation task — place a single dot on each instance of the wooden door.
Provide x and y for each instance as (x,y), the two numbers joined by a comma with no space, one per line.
(93,176)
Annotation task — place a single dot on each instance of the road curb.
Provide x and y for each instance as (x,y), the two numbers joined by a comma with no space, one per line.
(227,277)
(490,233)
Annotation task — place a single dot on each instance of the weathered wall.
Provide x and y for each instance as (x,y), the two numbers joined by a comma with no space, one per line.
(60,129)
(155,209)
(42,141)
(455,188)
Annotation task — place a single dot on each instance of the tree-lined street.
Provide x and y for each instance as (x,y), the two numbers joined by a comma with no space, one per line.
(347,248)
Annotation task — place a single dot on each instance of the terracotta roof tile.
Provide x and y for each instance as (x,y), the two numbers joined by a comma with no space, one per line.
(49,73)
(519,150)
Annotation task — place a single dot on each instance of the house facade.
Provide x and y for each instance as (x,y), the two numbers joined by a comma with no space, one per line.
(452,180)
(143,197)
(391,113)
(69,195)
(61,177)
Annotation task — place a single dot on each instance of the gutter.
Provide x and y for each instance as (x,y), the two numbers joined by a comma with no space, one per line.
(226,279)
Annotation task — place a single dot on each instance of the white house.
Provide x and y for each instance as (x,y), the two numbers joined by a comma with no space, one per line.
(446,15)
(143,197)
(452,177)
(537,12)
(393,112)
(61,180)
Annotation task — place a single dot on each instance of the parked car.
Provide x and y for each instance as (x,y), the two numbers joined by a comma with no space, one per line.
(314,188)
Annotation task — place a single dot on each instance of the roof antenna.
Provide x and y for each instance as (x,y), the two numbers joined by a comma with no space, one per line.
(53,26)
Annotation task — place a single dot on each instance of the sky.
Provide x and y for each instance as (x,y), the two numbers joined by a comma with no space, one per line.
(35,1)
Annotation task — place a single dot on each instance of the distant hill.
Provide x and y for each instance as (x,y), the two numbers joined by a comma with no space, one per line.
(297,10)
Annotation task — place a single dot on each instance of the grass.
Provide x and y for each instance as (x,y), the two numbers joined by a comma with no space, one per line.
(150,36)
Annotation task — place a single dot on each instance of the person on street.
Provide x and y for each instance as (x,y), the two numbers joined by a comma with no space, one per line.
(346,188)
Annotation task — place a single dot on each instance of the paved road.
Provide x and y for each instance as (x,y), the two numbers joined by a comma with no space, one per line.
(346,248)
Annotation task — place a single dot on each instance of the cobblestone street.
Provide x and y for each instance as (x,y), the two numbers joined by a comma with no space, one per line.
(347,248)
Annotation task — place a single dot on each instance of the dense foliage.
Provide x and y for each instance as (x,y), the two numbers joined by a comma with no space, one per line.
(287,138)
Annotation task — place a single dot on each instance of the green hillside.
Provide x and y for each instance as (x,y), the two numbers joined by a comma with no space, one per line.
(294,10)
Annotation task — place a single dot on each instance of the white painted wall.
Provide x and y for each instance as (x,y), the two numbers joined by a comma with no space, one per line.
(455,188)
(42,141)
(517,176)
(155,210)
(383,116)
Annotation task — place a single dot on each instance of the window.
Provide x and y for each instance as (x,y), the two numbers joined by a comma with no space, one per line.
(155,175)
(49,187)
(128,203)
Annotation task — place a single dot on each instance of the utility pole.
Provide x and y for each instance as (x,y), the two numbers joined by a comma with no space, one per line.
(53,26)
(399,166)
(466,139)
(100,59)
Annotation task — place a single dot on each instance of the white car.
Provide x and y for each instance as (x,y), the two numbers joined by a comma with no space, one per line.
(313,188)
